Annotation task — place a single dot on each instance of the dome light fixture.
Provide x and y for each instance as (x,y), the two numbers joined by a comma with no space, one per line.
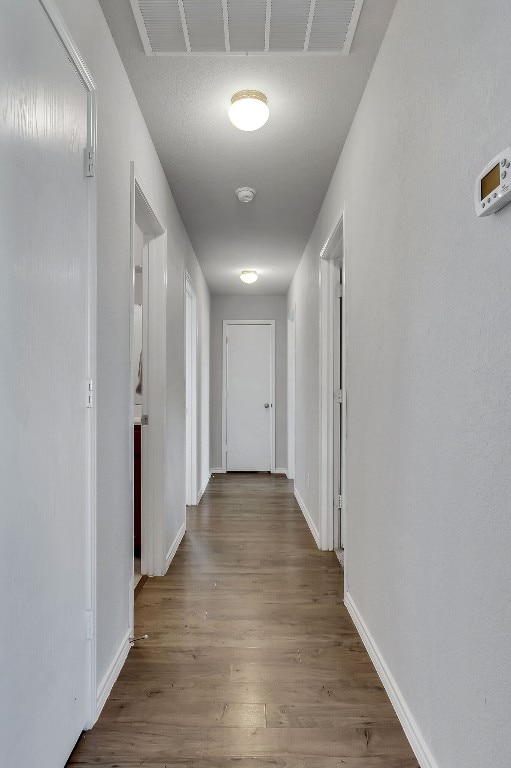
(249,110)
(249,275)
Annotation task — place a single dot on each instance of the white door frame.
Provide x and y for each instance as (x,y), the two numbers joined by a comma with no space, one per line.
(191,415)
(344,405)
(78,62)
(291,391)
(226,324)
(154,379)
(337,463)
(332,250)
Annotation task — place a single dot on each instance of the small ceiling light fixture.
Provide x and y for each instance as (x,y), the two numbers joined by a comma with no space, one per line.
(249,110)
(245,194)
(249,275)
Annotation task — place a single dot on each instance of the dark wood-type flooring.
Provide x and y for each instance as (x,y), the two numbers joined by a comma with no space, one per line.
(252,660)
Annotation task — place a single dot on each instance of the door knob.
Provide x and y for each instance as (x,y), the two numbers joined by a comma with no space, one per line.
(266,405)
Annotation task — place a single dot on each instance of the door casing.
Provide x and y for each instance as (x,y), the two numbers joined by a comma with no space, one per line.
(226,324)
(332,267)
(191,390)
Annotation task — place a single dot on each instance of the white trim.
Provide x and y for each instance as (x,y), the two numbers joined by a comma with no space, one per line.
(332,251)
(291,391)
(216,471)
(112,673)
(203,489)
(326,467)
(62,31)
(83,73)
(280,471)
(191,416)
(334,241)
(173,549)
(344,387)
(308,518)
(350,34)
(157,393)
(410,727)
(225,325)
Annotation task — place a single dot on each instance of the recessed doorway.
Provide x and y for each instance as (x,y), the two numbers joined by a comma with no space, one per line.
(148,366)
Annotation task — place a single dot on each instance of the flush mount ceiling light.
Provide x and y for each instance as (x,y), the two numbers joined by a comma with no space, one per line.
(245,194)
(249,110)
(249,275)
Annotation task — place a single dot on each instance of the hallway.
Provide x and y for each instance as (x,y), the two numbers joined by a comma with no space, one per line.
(252,659)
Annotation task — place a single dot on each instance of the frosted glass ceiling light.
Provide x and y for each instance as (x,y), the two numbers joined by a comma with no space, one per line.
(249,110)
(249,275)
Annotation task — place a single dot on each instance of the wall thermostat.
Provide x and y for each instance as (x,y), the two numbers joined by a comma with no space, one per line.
(493,185)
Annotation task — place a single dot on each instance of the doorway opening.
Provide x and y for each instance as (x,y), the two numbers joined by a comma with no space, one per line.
(333,392)
(148,392)
(191,391)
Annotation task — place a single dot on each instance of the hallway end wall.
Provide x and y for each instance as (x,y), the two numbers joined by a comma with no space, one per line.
(249,308)
(428,375)
(123,137)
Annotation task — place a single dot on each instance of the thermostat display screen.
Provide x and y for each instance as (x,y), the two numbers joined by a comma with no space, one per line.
(490,182)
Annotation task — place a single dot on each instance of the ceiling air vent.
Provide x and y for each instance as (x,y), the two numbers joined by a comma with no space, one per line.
(177,27)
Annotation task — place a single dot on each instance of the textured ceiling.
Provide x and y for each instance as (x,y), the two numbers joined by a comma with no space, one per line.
(289,161)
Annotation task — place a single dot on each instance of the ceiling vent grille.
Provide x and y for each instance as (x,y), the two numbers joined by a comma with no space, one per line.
(177,27)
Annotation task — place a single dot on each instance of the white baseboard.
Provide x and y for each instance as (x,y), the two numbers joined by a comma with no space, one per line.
(112,673)
(217,471)
(280,471)
(202,490)
(410,727)
(175,544)
(308,518)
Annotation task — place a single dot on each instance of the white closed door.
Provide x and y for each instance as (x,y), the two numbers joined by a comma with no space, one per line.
(249,405)
(44,528)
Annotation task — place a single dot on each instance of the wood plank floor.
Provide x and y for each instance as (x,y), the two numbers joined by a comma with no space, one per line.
(252,660)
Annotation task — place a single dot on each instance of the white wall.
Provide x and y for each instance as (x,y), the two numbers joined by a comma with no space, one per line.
(428,372)
(203,382)
(304,295)
(249,308)
(123,137)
